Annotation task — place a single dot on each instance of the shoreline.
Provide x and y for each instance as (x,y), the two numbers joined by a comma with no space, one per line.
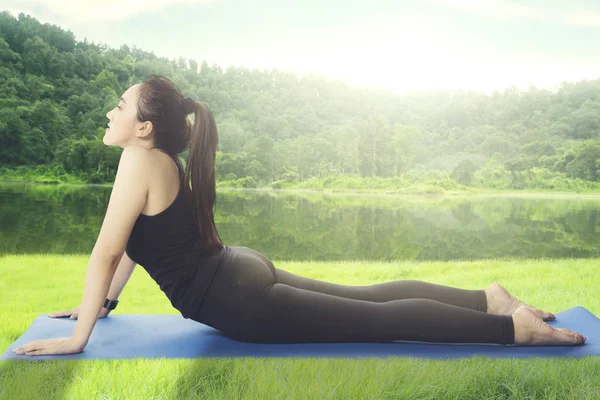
(475,192)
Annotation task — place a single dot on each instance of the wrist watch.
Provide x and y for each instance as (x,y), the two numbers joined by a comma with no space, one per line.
(110,305)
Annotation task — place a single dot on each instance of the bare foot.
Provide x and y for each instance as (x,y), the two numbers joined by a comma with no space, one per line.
(530,330)
(500,302)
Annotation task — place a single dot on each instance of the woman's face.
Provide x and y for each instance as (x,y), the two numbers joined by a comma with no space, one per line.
(124,129)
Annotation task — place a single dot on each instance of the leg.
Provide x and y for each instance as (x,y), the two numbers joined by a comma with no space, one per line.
(247,304)
(387,291)
(285,314)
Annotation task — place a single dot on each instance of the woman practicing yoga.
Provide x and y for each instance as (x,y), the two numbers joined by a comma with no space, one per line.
(161,218)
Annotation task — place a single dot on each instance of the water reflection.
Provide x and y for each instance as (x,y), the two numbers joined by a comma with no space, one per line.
(312,226)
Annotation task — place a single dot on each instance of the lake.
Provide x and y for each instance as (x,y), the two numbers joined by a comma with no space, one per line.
(66,219)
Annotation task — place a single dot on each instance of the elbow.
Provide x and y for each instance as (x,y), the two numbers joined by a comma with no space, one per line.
(105,259)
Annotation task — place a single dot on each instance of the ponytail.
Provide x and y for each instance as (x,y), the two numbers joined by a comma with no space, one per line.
(162,103)
(201,168)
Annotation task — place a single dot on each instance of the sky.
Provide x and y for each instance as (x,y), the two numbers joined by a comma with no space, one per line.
(473,45)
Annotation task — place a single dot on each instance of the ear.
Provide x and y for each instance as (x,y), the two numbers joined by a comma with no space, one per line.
(145,129)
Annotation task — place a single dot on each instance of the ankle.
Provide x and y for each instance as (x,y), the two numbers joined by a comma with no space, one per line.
(512,334)
(490,301)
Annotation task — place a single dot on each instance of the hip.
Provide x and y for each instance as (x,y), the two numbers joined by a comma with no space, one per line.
(241,280)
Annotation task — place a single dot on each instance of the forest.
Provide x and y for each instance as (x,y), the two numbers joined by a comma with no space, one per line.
(278,129)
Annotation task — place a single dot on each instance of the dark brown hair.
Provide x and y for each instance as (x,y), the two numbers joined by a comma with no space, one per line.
(161,102)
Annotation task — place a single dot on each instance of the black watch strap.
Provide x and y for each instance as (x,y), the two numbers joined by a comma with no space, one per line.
(110,304)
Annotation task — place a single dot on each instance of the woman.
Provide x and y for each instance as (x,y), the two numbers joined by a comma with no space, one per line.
(167,227)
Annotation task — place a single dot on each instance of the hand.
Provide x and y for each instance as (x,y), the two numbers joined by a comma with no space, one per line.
(50,346)
(74,313)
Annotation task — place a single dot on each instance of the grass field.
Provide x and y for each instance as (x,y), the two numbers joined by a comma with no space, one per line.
(37,284)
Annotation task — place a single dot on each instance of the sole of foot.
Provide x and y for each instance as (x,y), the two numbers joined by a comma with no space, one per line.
(530,330)
(501,302)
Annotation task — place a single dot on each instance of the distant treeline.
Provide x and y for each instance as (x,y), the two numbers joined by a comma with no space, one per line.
(278,128)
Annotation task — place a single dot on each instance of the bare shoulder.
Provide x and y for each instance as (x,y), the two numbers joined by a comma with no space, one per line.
(135,160)
(135,153)
(155,173)
(134,169)
(127,200)
(155,168)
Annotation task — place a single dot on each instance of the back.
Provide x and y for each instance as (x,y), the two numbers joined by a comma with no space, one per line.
(168,246)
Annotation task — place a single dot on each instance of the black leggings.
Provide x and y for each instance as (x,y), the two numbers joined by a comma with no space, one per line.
(250,300)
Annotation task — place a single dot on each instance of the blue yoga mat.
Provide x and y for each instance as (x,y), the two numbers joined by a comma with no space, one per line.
(172,336)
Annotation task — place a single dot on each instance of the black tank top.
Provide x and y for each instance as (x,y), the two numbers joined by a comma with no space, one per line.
(168,246)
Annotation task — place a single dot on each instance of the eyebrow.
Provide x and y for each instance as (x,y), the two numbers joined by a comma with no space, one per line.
(123,100)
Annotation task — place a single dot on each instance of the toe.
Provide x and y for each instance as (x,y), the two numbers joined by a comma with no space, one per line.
(564,335)
(576,337)
(549,317)
(539,313)
(545,316)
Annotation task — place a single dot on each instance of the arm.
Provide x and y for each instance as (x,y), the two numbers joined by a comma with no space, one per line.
(124,271)
(126,202)
(98,272)
(97,282)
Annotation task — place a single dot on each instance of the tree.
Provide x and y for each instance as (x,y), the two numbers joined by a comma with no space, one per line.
(12,130)
(516,167)
(40,59)
(55,93)
(38,87)
(585,163)
(9,57)
(372,142)
(404,142)
(464,172)
(36,148)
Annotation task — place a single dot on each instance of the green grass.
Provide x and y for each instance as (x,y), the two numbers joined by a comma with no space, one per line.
(32,285)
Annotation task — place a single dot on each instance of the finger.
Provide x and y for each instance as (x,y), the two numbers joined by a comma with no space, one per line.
(38,352)
(27,348)
(32,345)
(61,314)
